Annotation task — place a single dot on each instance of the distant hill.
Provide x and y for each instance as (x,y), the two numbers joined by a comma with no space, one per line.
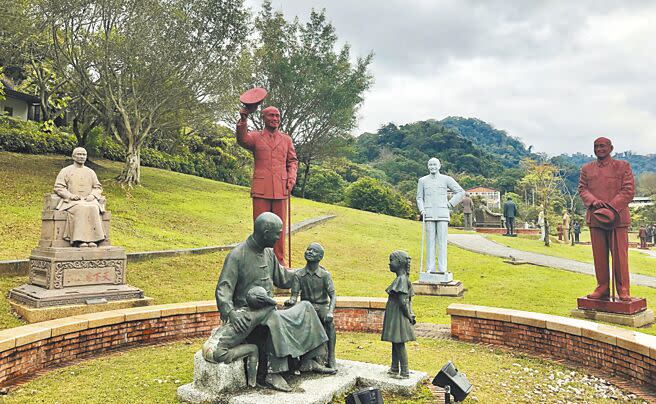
(639,163)
(509,150)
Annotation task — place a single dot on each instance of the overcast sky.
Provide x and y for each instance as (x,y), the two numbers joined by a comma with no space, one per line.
(555,74)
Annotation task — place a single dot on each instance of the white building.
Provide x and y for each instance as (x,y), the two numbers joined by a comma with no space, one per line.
(640,201)
(19,105)
(491,196)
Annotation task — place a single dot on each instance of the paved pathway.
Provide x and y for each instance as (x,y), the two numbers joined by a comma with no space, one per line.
(479,244)
(651,253)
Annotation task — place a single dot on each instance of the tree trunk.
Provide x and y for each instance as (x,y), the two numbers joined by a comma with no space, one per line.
(305,178)
(131,174)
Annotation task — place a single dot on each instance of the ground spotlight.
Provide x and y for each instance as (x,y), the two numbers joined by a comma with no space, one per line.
(453,382)
(366,396)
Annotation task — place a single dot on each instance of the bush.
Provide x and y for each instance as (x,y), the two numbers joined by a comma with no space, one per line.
(375,196)
(324,186)
(21,136)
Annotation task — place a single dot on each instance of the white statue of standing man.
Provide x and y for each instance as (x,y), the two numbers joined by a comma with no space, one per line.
(81,197)
(435,208)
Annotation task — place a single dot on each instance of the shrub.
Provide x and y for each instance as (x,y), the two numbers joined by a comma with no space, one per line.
(21,136)
(375,196)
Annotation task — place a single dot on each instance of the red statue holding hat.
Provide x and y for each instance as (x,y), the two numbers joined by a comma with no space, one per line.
(274,175)
(606,187)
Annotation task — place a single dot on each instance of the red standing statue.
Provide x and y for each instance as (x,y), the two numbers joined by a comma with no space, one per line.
(276,164)
(606,187)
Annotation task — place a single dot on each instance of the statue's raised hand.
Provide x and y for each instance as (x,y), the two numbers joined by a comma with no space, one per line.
(241,321)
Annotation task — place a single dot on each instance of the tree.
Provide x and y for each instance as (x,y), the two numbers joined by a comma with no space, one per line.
(544,178)
(317,89)
(374,196)
(646,184)
(146,65)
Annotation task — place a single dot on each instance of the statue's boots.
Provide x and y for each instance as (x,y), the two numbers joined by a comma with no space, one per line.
(277,382)
(600,292)
(310,365)
(251,370)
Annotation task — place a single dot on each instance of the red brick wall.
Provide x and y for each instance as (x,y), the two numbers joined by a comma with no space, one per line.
(26,360)
(587,352)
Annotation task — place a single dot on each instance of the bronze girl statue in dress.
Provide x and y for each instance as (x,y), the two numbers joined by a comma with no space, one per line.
(398,324)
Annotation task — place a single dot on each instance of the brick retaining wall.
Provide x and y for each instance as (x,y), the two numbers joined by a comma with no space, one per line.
(31,348)
(630,355)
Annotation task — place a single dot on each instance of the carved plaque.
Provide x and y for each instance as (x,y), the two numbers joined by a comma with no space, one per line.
(89,276)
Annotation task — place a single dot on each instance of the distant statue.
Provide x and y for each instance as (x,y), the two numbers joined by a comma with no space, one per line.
(399,320)
(576,229)
(566,226)
(82,200)
(435,208)
(274,174)
(226,344)
(509,212)
(541,223)
(468,211)
(642,235)
(606,187)
(559,229)
(315,285)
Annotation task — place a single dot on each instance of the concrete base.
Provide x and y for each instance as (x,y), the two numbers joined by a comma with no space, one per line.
(640,319)
(35,315)
(312,388)
(436,277)
(38,297)
(453,288)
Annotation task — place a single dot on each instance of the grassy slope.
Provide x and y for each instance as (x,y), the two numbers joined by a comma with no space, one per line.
(152,374)
(639,263)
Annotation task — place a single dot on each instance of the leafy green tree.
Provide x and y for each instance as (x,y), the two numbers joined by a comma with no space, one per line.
(374,196)
(146,65)
(325,186)
(646,184)
(545,179)
(317,87)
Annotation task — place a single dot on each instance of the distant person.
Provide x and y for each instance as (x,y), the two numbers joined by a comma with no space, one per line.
(559,229)
(509,212)
(642,235)
(651,233)
(576,227)
(468,210)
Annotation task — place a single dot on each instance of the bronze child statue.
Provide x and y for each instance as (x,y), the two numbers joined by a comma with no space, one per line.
(315,285)
(226,344)
(399,321)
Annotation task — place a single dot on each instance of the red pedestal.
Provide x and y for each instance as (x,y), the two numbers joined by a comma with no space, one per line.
(635,305)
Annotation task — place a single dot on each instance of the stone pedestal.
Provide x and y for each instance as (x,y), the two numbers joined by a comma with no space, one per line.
(633,313)
(309,388)
(68,276)
(452,289)
(436,277)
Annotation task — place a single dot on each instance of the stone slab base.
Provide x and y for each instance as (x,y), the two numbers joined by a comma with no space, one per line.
(453,288)
(640,319)
(313,388)
(38,297)
(35,315)
(633,306)
(436,277)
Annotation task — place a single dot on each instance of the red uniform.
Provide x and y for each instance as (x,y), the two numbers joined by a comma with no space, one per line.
(275,163)
(610,181)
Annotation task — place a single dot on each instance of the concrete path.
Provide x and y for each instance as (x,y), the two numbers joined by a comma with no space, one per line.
(479,244)
(651,253)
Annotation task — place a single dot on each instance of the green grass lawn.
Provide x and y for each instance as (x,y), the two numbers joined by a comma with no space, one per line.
(152,374)
(639,263)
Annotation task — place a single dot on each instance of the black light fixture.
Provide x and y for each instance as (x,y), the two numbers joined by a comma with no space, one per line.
(453,382)
(366,396)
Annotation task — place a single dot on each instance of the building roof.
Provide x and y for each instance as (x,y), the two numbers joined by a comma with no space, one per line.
(11,93)
(481,189)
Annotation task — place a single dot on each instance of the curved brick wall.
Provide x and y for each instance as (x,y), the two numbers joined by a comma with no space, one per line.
(25,350)
(630,355)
